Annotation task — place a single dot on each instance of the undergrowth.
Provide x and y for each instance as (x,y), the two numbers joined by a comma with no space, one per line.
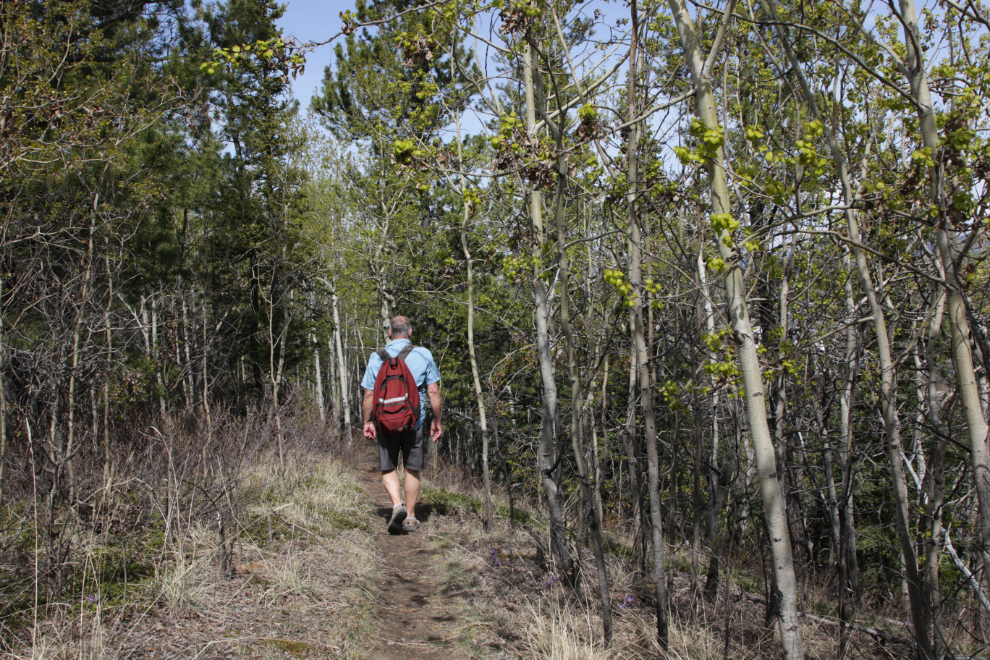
(255,559)
(170,558)
(514,603)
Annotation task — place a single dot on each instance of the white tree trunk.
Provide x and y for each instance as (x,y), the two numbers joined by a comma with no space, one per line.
(476,379)
(749,365)
(345,405)
(639,345)
(547,452)
(962,354)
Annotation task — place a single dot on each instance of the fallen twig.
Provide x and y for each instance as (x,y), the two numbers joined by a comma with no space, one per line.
(878,634)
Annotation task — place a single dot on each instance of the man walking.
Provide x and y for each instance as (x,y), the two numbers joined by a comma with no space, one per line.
(424,370)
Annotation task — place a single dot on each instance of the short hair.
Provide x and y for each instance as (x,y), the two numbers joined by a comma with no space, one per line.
(401,327)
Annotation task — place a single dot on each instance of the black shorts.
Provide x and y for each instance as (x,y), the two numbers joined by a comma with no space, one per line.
(411,444)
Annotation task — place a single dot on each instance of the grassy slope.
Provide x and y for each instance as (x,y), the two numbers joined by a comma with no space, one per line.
(303,580)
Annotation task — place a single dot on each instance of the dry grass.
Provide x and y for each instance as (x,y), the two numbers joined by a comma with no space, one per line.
(83,641)
(558,632)
(312,580)
(183,585)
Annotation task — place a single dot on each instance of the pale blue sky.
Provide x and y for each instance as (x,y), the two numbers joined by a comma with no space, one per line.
(313,20)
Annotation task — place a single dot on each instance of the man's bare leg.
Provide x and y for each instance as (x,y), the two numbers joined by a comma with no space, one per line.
(391,481)
(412,490)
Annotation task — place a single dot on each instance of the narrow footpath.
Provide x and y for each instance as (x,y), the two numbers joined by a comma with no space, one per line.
(414,624)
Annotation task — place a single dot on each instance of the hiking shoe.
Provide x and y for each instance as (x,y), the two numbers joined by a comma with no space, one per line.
(410,524)
(398,517)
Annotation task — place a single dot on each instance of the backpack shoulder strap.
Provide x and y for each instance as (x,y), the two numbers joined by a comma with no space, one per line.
(383,354)
(405,352)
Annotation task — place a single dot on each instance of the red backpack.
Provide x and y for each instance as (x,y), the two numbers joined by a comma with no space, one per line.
(396,395)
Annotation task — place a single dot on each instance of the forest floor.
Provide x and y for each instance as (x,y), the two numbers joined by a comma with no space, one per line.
(315,575)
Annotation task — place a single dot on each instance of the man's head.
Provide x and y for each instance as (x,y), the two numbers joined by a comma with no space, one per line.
(400,328)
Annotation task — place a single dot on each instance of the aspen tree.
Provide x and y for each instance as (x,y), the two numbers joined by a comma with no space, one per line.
(891,418)
(951,257)
(548,453)
(590,511)
(659,573)
(87,287)
(749,365)
(476,380)
(345,405)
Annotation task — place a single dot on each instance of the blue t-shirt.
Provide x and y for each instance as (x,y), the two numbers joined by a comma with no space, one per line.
(421,366)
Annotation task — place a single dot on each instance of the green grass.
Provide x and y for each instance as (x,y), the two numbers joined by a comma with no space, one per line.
(448,503)
(348,521)
(104,572)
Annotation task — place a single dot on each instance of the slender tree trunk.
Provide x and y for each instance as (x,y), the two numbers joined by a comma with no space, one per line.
(717,480)
(334,382)
(699,441)
(318,377)
(206,385)
(749,365)
(831,494)
(385,314)
(635,469)
(76,335)
(277,373)
(639,342)
(345,405)
(108,456)
(788,482)
(255,341)
(931,519)
(589,408)
(187,341)
(355,375)
(577,412)
(589,424)
(849,565)
(548,452)
(743,449)
(153,354)
(476,379)
(716,500)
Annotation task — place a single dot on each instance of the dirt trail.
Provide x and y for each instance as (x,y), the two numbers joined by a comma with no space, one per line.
(414,623)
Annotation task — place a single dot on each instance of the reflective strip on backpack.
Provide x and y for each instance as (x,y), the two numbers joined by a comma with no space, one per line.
(395,400)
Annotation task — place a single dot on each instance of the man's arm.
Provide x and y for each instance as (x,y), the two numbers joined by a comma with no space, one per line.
(433,391)
(367,405)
